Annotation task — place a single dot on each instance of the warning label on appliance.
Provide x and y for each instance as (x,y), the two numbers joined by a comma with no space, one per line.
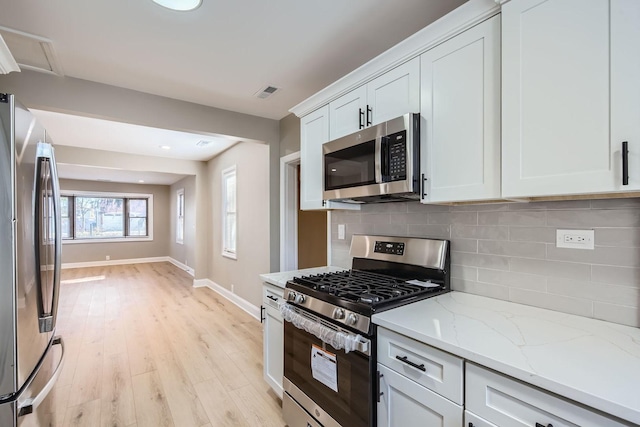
(324,367)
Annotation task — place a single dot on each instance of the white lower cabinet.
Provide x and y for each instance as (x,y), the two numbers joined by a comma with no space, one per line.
(418,385)
(405,403)
(273,337)
(507,402)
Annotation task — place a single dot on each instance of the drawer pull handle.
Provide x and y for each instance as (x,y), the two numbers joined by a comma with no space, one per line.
(542,425)
(404,359)
(271,297)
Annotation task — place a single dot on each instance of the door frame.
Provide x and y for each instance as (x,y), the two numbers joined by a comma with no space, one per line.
(289,214)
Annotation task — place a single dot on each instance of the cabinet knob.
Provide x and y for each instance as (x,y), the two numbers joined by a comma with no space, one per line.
(542,425)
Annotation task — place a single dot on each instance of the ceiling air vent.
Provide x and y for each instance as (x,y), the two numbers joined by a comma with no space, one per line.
(266,92)
(31,52)
(203,143)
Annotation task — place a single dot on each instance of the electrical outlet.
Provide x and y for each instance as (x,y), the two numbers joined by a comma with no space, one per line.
(107,257)
(575,239)
(341,231)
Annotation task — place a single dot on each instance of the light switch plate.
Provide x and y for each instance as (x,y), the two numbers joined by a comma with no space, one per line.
(341,231)
(575,239)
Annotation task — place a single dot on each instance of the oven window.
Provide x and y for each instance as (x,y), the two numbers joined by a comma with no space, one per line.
(350,167)
(350,405)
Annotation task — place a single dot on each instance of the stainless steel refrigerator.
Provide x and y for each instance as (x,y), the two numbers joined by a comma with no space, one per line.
(31,354)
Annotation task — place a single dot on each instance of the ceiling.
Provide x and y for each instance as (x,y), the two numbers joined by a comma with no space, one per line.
(219,55)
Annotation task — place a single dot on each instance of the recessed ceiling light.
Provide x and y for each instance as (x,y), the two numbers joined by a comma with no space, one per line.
(180,5)
(141,181)
(165,147)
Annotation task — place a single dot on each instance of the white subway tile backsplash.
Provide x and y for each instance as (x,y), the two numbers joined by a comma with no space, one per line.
(528,218)
(621,295)
(620,236)
(488,232)
(480,260)
(568,270)
(464,245)
(519,249)
(572,305)
(607,255)
(617,313)
(532,282)
(507,250)
(533,234)
(627,276)
(484,289)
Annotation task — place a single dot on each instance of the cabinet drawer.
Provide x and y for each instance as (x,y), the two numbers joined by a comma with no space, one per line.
(472,420)
(509,403)
(428,366)
(403,403)
(271,296)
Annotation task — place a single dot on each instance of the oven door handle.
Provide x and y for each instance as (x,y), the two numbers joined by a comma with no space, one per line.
(334,336)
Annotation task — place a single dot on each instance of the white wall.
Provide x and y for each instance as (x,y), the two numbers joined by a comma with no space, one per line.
(252,163)
(185,252)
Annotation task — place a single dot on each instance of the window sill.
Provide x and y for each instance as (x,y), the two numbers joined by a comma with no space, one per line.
(116,240)
(230,255)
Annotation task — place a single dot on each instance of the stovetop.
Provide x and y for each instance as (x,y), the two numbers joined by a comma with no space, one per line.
(365,288)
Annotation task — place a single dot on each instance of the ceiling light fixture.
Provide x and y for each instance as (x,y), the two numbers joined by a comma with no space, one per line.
(141,181)
(165,147)
(179,5)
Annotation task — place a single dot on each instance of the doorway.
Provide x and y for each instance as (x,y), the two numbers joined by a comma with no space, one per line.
(304,235)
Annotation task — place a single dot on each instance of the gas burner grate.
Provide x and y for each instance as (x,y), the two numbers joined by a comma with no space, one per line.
(362,287)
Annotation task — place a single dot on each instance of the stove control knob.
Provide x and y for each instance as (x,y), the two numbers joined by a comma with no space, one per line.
(291,296)
(352,319)
(299,299)
(338,314)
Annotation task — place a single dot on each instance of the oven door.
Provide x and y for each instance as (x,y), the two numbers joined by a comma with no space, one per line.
(332,385)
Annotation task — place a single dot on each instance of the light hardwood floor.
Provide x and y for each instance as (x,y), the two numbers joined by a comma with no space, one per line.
(145,348)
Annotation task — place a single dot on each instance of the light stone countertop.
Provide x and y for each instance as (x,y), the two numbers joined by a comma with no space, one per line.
(280,279)
(590,361)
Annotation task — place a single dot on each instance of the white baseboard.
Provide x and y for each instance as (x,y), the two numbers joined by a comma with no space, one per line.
(245,305)
(182,266)
(115,262)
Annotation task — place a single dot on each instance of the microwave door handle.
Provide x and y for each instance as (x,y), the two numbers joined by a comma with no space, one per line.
(378,159)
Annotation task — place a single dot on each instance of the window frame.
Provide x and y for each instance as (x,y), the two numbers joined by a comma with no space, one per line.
(230,172)
(180,208)
(99,194)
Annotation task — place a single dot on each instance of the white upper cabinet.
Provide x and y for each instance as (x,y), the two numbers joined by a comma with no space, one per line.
(460,116)
(391,95)
(570,96)
(314,131)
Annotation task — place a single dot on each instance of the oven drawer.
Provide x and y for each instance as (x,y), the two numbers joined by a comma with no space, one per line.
(507,402)
(428,366)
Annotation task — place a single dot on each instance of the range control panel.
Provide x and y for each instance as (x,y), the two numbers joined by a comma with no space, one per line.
(393,248)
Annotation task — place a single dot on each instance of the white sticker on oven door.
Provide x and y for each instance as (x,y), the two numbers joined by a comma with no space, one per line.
(324,367)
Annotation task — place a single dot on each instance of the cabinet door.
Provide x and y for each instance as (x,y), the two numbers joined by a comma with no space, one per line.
(394,93)
(314,131)
(625,86)
(273,339)
(407,404)
(460,107)
(347,114)
(555,93)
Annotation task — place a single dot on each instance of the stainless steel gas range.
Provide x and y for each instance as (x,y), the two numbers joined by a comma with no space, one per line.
(330,341)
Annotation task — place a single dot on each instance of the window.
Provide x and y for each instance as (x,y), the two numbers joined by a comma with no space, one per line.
(105,217)
(229,213)
(180,216)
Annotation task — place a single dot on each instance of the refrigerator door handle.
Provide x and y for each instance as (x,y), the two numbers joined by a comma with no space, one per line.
(28,406)
(47,209)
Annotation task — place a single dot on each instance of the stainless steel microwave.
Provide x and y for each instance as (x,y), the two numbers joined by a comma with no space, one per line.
(377,164)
